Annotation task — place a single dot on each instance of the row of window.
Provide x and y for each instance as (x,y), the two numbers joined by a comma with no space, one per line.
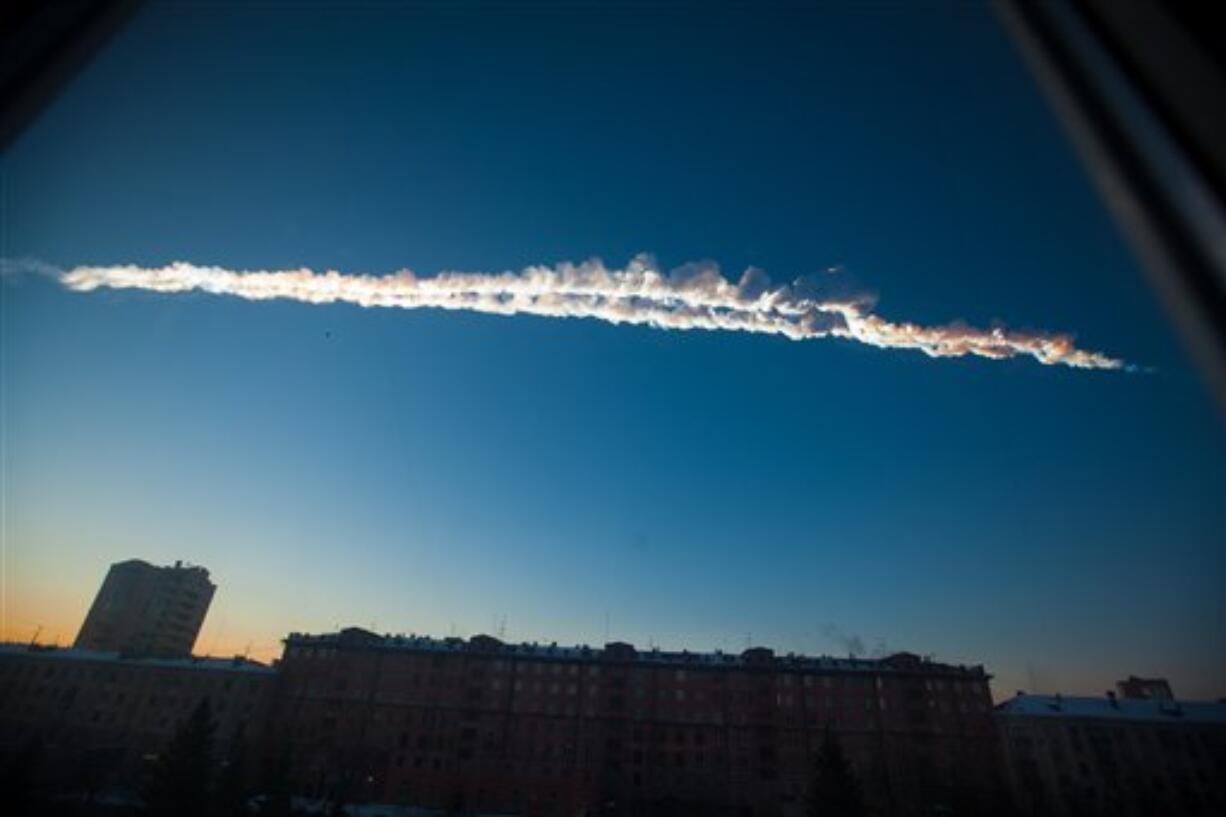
(130,676)
(638,676)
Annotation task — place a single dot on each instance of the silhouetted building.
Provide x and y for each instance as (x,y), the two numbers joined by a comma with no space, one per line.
(1155,689)
(1111,756)
(102,718)
(529,729)
(142,609)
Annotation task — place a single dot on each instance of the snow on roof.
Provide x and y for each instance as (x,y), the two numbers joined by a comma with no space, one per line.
(1120,709)
(194,662)
(356,637)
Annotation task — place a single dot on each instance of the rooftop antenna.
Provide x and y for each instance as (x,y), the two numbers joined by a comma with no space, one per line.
(502,628)
(34,638)
(606,626)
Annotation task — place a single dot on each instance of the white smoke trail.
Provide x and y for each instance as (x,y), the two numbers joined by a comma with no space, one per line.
(691,297)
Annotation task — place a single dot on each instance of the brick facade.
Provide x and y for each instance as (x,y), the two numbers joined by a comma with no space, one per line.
(532,729)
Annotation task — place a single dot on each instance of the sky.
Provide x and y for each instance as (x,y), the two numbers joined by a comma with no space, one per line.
(450,471)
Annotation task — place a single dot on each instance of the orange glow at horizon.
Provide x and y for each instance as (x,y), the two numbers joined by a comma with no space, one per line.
(54,619)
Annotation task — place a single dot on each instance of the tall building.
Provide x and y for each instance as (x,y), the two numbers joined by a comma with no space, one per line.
(1122,757)
(546,730)
(145,610)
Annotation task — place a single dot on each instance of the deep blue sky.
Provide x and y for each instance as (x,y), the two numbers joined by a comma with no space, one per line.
(437,471)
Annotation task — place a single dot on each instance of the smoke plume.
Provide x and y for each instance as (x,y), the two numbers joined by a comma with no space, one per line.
(695,296)
(849,643)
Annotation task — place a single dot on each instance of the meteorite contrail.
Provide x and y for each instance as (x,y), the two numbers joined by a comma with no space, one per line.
(695,296)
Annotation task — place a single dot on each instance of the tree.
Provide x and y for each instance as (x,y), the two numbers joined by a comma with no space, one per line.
(835,791)
(18,787)
(457,806)
(180,782)
(232,792)
(277,801)
(339,795)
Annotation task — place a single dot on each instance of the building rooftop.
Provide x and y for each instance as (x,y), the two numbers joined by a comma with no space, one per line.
(353,637)
(1111,708)
(235,664)
(179,566)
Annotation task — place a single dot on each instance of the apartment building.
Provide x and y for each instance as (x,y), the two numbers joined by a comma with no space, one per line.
(143,609)
(542,729)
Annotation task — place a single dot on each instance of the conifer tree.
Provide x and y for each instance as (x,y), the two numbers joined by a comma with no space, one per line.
(232,792)
(18,786)
(835,791)
(181,780)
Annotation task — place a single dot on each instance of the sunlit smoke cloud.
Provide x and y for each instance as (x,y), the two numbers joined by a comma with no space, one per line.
(694,296)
